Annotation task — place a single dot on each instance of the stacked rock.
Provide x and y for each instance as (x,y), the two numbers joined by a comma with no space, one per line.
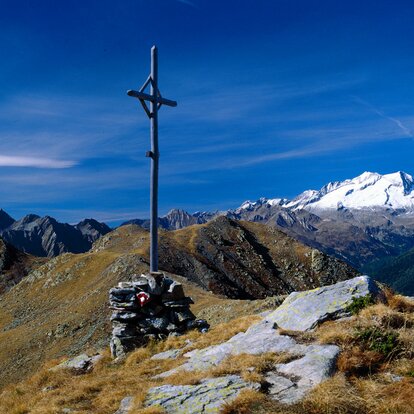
(152,306)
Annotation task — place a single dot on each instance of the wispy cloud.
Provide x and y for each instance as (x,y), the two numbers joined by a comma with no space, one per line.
(188,3)
(396,121)
(15,161)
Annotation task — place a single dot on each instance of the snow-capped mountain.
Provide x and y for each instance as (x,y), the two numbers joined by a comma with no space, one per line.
(252,205)
(360,219)
(367,191)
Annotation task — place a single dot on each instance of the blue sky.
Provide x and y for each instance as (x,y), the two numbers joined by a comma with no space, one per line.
(274,97)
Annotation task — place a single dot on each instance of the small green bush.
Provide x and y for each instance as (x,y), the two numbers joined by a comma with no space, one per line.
(360,303)
(385,342)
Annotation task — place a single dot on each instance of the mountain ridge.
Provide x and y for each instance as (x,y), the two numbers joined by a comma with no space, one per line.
(46,237)
(357,233)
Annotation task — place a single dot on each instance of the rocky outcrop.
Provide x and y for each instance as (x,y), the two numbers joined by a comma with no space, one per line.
(302,311)
(312,363)
(288,382)
(206,397)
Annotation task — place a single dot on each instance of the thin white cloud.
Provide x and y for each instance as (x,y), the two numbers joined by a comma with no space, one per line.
(188,3)
(15,161)
(396,121)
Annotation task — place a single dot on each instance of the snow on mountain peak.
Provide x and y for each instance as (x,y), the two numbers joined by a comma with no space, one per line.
(251,205)
(368,190)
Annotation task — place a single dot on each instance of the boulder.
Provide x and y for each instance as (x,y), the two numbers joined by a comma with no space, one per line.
(302,311)
(125,406)
(80,364)
(206,397)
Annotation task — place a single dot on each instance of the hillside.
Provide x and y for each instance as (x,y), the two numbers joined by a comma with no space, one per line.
(61,307)
(242,259)
(398,272)
(273,363)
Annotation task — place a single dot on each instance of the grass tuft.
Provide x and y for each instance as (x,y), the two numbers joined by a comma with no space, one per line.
(244,403)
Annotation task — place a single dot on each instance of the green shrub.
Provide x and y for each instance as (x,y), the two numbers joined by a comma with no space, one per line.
(360,303)
(385,342)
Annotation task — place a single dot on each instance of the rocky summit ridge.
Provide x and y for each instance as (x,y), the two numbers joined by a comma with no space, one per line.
(46,237)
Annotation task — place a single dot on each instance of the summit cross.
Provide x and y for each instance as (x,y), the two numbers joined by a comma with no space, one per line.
(155,102)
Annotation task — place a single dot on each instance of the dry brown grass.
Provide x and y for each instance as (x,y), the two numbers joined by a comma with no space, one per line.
(341,395)
(301,337)
(101,391)
(335,396)
(357,361)
(371,341)
(401,303)
(335,333)
(244,403)
(244,363)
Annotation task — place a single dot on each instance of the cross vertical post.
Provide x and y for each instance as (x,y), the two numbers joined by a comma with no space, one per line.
(156,101)
(154,162)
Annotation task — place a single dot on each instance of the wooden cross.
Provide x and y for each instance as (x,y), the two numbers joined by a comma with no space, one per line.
(156,100)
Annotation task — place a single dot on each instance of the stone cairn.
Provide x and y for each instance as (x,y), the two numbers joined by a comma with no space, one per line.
(149,307)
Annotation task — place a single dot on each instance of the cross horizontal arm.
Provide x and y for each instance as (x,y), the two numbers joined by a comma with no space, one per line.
(151,98)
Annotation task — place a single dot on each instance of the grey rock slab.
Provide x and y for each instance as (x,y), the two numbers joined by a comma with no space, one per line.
(258,339)
(316,366)
(302,311)
(80,364)
(125,406)
(206,397)
(170,354)
(278,384)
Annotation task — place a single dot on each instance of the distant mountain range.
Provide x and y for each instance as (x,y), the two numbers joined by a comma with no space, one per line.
(359,220)
(44,236)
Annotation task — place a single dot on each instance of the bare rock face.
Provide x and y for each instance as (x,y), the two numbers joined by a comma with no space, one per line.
(206,397)
(311,364)
(302,311)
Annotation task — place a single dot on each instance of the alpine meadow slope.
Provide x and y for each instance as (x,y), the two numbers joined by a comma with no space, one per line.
(61,308)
